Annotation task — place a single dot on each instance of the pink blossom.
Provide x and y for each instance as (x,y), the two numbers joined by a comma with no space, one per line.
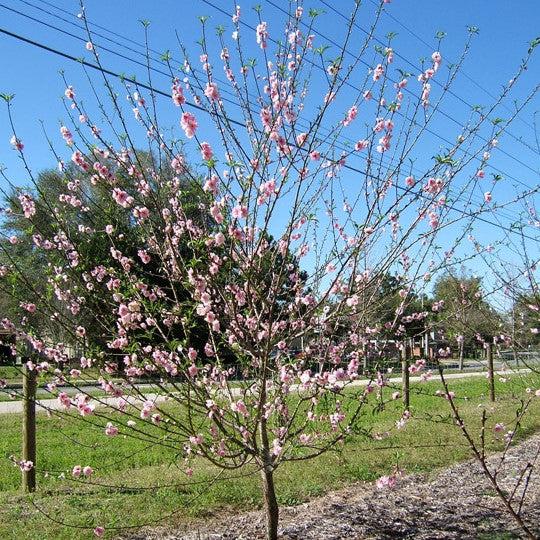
(206,151)
(262,34)
(178,164)
(143,255)
(351,115)
(361,145)
(378,72)
(386,482)
(99,531)
(215,212)
(178,95)
(211,91)
(111,430)
(89,46)
(16,143)
(31,308)
(28,205)
(26,466)
(64,400)
(301,138)
(189,124)
(69,92)
(211,184)
(77,471)
(122,197)
(239,212)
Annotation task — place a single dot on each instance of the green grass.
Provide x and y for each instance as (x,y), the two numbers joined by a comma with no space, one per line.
(428,442)
(10,373)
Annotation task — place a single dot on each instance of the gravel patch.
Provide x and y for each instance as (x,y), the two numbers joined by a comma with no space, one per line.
(458,503)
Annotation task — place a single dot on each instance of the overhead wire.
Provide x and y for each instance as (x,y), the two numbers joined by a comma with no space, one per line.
(427,129)
(157,70)
(200,108)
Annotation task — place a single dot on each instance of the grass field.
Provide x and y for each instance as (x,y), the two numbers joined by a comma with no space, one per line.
(428,442)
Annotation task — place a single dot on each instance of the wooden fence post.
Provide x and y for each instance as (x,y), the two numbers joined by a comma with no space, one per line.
(491,375)
(29,428)
(405,376)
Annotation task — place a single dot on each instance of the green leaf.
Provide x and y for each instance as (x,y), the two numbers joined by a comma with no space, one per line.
(320,50)
(533,44)
(315,12)
(444,160)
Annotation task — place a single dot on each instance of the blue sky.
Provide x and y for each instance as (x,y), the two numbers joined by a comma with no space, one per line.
(506,28)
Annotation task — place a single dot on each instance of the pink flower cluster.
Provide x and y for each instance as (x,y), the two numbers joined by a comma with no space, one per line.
(189,124)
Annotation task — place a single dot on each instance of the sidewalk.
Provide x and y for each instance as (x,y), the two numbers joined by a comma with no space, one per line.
(15,407)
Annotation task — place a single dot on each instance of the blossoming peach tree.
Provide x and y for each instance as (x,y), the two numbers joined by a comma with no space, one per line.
(245,304)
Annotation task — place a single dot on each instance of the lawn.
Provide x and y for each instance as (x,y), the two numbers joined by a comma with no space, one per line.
(428,442)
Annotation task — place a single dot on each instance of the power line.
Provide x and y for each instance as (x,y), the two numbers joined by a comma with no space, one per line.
(160,61)
(440,111)
(162,93)
(427,129)
(462,72)
(224,12)
(343,148)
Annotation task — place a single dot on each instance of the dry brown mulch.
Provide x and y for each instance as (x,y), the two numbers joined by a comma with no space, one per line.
(459,503)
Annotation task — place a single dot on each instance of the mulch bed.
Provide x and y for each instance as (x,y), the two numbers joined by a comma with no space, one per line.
(458,503)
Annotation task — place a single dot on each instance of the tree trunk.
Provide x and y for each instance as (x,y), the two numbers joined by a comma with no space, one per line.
(267,475)
(270,503)
(461,354)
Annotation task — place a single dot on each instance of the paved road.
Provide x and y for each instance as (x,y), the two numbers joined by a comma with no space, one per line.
(12,407)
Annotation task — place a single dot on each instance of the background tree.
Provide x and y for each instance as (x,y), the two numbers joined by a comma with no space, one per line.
(466,317)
